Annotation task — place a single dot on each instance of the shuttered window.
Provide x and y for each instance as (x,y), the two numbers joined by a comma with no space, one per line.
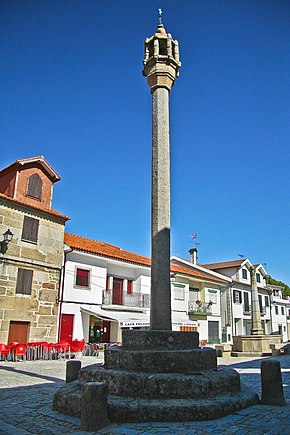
(30,229)
(237,296)
(24,281)
(34,186)
(82,277)
(246,302)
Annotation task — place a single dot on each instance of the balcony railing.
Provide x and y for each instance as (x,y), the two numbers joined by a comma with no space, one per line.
(199,308)
(247,310)
(140,300)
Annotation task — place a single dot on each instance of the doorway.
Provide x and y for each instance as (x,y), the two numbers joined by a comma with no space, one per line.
(18,332)
(66,330)
(117,291)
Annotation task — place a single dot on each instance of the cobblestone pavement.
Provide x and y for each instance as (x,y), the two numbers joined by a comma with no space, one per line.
(27,389)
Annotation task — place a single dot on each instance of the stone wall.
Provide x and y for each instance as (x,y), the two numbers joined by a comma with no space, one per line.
(44,258)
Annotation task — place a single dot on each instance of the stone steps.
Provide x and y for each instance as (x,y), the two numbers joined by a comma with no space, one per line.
(186,361)
(162,385)
(129,409)
(140,410)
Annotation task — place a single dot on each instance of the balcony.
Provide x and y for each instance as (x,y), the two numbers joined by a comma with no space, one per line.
(199,308)
(139,300)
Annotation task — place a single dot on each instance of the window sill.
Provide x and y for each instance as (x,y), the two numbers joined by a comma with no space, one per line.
(32,197)
(80,287)
(29,241)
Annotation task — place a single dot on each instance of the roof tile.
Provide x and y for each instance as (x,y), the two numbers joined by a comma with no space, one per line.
(106,250)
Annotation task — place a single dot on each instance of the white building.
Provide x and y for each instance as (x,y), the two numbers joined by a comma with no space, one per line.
(236,298)
(106,289)
(280,310)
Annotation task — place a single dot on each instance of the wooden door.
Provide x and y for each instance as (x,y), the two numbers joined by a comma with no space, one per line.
(66,329)
(117,291)
(106,331)
(18,331)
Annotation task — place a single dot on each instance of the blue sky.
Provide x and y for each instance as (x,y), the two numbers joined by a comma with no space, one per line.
(72,90)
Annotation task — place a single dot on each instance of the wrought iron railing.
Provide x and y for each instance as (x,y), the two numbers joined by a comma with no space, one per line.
(139,300)
(198,307)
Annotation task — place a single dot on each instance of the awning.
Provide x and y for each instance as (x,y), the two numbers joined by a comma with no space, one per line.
(130,319)
(126,319)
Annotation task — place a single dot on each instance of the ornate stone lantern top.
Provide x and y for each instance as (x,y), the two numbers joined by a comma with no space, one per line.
(161,59)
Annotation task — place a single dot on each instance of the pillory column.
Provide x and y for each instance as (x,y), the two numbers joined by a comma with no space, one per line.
(161,64)
(255,312)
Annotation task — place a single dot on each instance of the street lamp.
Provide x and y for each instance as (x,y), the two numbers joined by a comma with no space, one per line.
(7,237)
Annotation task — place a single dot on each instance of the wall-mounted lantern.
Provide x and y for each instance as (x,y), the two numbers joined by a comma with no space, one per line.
(7,237)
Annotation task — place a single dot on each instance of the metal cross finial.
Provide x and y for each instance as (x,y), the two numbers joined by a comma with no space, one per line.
(160,17)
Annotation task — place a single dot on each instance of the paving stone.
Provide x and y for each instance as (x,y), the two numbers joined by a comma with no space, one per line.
(27,390)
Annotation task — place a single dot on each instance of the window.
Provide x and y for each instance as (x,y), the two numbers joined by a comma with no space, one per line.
(244,273)
(276,309)
(24,281)
(237,296)
(193,294)
(267,301)
(34,186)
(282,311)
(82,277)
(258,277)
(212,296)
(260,303)
(129,287)
(30,229)
(178,290)
(246,302)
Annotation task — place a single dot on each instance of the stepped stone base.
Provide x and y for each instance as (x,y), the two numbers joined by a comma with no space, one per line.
(160,376)
(67,400)
(254,345)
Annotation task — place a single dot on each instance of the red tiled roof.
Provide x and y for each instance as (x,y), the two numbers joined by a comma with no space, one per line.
(193,272)
(37,159)
(49,211)
(224,264)
(106,250)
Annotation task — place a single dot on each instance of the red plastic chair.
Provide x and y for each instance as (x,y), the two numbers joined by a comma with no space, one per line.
(19,350)
(82,345)
(61,348)
(75,346)
(4,351)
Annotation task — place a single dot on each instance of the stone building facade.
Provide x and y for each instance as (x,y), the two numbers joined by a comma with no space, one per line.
(30,268)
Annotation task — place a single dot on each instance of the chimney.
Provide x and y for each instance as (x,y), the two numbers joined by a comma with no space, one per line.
(193,255)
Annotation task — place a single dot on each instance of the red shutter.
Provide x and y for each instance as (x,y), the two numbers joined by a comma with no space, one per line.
(129,287)
(82,278)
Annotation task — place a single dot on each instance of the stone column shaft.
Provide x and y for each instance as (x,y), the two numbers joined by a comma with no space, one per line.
(160,318)
(255,313)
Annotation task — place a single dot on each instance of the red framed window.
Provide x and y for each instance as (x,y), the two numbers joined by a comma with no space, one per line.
(82,277)
(129,287)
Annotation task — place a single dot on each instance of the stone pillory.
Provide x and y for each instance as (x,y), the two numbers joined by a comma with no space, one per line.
(160,374)
(161,64)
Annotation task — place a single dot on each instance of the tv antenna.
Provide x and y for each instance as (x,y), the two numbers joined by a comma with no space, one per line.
(194,237)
